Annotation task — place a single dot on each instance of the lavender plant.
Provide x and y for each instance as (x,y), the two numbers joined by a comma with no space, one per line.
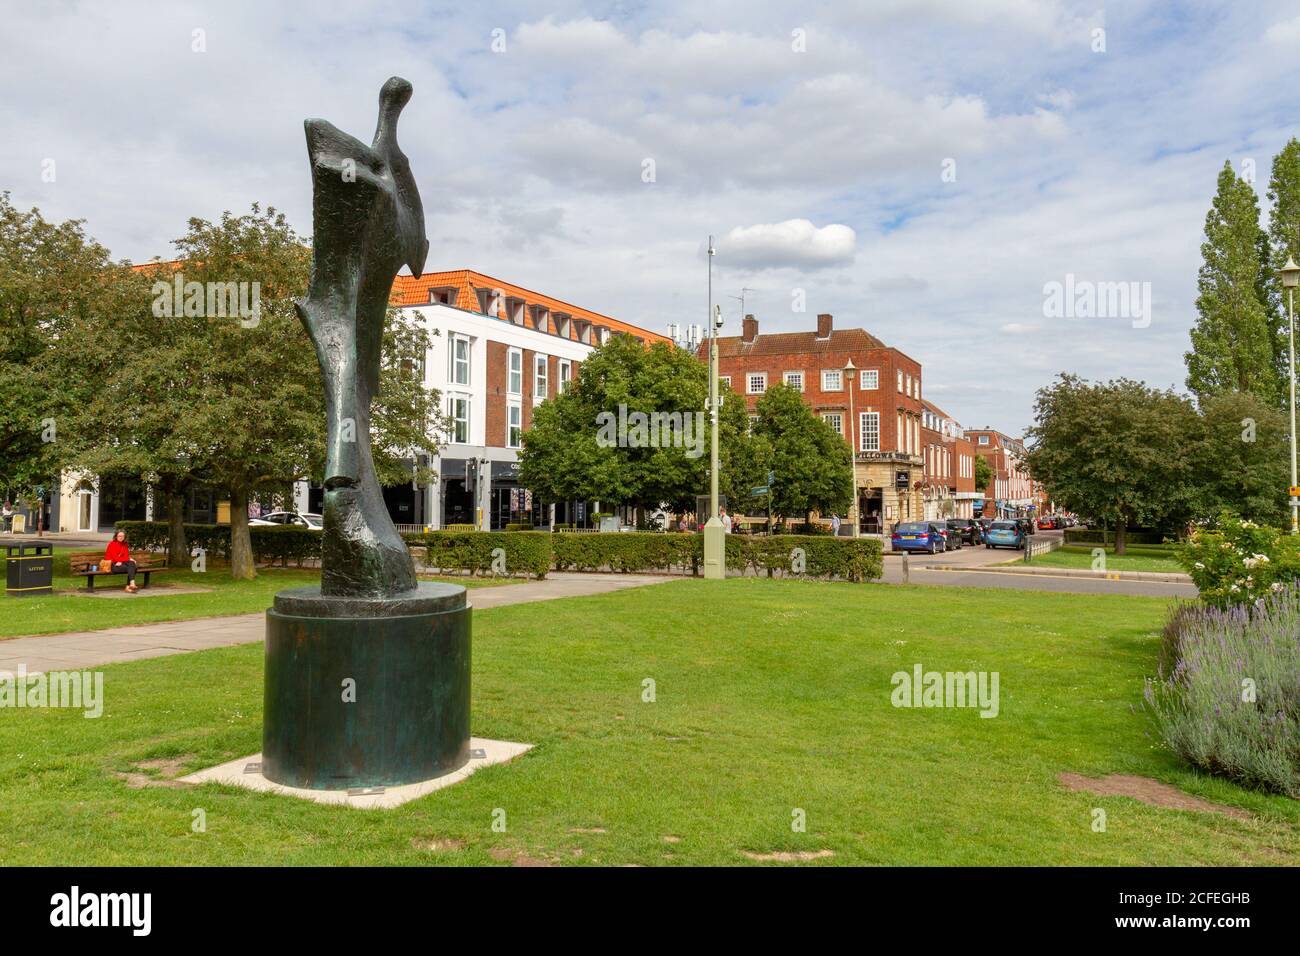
(1231,702)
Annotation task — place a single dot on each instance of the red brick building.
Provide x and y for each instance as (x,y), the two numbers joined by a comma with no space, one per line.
(875,403)
(948,486)
(1013,490)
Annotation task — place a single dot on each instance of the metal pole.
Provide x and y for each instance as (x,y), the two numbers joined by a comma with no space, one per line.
(854,518)
(715,546)
(1295,503)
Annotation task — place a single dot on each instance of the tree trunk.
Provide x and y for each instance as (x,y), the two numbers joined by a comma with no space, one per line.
(178,552)
(242,567)
(1121,529)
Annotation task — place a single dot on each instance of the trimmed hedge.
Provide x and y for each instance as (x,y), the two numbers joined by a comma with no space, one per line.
(853,559)
(474,551)
(627,551)
(270,544)
(535,553)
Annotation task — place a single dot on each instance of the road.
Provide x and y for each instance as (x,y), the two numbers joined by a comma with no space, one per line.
(959,570)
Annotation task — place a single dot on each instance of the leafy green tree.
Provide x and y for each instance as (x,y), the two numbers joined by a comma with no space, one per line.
(1240,461)
(574,451)
(1236,342)
(186,393)
(983,475)
(1114,450)
(1284,197)
(51,276)
(811,461)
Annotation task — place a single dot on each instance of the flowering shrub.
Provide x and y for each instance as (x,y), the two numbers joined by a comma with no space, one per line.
(1231,702)
(1240,562)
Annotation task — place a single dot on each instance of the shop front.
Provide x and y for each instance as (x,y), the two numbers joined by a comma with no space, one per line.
(888,490)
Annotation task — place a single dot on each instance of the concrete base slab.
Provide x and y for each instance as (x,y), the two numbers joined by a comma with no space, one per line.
(246,772)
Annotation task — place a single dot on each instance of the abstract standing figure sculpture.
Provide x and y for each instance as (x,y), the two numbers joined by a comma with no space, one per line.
(367,674)
(368,223)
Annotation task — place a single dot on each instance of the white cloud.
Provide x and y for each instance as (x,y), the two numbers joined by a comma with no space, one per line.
(1284,33)
(794,243)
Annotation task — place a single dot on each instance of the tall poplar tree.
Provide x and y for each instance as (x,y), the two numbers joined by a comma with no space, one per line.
(1284,218)
(1235,341)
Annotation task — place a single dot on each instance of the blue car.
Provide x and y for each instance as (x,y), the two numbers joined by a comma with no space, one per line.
(918,536)
(1005,534)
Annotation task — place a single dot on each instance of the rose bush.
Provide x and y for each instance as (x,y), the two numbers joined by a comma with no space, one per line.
(1239,562)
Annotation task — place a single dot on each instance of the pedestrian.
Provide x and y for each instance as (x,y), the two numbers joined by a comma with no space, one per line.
(8,516)
(835,523)
(726,522)
(681,523)
(118,554)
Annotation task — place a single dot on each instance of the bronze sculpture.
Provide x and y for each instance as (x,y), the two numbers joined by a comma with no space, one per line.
(368,222)
(367,674)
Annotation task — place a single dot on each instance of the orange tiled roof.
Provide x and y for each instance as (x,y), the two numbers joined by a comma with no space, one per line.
(414,290)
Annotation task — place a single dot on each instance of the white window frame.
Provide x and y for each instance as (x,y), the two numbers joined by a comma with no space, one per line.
(514,429)
(750,378)
(838,424)
(515,372)
(983,439)
(827,379)
(900,381)
(454,362)
(456,420)
(725,380)
(865,433)
(794,380)
(541,375)
(566,375)
(869,384)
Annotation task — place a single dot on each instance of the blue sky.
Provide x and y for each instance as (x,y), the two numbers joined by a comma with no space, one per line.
(810,138)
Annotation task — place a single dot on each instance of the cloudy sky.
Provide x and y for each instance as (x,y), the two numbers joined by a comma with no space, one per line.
(919,168)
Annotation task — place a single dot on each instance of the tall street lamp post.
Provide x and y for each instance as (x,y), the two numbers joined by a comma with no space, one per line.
(1290,276)
(715,536)
(850,370)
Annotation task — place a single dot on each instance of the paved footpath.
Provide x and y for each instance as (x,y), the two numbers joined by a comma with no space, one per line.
(75,651)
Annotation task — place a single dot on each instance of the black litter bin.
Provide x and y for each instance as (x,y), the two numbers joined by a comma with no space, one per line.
(30,570)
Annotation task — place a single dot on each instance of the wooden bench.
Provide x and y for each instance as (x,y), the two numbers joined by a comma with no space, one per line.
(86,564)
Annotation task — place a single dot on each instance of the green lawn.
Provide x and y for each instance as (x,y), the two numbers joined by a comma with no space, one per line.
(771,696)
(60,612)
(1122,562)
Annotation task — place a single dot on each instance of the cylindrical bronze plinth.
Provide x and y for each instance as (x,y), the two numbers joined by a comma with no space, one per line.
(366,692)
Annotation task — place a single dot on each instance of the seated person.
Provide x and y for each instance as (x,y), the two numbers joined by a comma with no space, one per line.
(120,556)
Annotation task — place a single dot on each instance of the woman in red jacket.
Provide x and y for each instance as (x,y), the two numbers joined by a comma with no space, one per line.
(120,555)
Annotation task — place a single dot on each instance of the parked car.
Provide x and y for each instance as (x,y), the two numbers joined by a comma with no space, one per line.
(951,539)
(918,536)
(1006,534)
(290,518)
(968,529)
(1046,523)
(1027,526)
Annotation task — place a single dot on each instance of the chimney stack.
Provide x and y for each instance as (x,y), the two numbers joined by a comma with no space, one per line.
(751,329)
(824,325)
